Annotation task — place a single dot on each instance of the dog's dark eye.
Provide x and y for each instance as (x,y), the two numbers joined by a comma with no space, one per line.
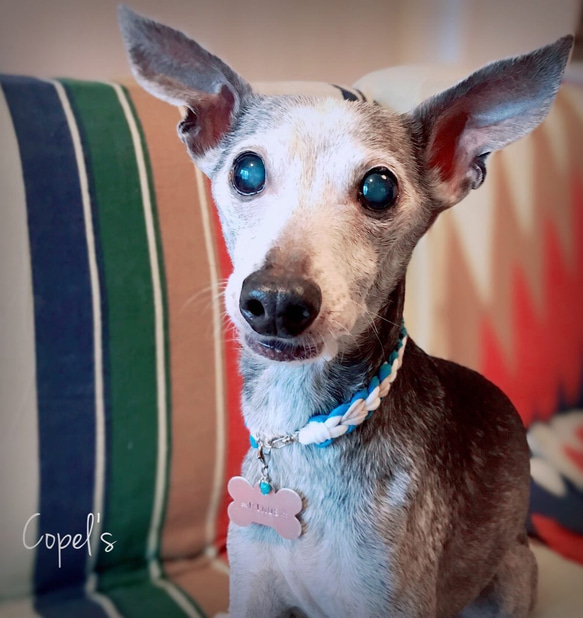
(248,173)
(378,189)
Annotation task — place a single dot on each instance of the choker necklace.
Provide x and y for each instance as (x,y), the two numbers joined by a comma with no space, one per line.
(260,504)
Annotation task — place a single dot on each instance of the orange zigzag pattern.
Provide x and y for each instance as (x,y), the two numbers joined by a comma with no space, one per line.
(527,335)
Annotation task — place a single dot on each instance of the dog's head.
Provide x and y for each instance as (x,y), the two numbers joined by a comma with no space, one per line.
(321,200)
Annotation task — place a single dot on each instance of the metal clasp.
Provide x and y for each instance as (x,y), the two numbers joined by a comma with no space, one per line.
(281,441)
(262,452)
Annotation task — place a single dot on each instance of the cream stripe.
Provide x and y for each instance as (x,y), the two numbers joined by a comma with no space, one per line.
(221,566)
(219,471)
(160,491)
(98,493)
(106,604)
(103,601)
(178,596)
(19,456)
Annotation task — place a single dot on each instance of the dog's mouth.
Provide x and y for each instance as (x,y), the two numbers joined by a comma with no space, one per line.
(283,350)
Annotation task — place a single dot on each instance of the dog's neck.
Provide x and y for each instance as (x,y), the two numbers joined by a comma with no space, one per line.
(280,398)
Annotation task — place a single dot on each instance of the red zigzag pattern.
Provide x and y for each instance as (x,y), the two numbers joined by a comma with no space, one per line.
(548,345)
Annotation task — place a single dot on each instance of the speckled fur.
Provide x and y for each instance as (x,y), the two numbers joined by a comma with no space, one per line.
(421,511)
(417,512)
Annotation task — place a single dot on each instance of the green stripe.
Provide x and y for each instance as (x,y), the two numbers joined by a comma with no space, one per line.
(129,319)
(129,348)
(165,311)
(145,599)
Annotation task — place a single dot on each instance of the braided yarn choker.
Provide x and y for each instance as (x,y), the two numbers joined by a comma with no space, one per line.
(323,429)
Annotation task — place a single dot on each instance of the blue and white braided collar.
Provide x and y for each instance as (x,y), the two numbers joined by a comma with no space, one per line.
(323,429)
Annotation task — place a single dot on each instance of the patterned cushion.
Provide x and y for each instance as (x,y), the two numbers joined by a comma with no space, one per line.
(556,512)
(119,392)
(497,285)
(106,410)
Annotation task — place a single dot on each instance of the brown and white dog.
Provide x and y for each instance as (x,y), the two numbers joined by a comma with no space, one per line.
(420,511)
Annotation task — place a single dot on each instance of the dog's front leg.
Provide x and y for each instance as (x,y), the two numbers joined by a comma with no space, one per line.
(257,589)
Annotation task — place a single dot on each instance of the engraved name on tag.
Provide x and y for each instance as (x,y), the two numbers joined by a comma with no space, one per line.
(278,509)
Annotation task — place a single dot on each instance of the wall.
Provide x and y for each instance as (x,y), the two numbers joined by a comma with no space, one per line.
(335,41)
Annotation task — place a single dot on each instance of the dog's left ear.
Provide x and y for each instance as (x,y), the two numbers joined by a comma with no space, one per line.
(178,70)
(493,107)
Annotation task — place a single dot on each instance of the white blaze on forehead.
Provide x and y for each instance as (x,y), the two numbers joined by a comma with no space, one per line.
(310,159)
(314,156)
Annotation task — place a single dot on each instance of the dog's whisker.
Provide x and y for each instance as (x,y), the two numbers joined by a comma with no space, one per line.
(375,316)
(209,289)
(374,329)
(341,326)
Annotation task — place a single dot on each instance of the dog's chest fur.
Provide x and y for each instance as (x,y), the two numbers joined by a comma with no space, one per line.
(404,502)
(341,552)
(354,493)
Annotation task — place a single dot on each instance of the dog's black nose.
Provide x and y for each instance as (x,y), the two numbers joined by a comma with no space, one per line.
(279,306)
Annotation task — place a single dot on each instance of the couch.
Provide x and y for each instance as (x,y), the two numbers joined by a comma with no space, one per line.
(119,392)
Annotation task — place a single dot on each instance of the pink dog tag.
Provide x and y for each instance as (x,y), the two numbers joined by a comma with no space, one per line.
(277,509)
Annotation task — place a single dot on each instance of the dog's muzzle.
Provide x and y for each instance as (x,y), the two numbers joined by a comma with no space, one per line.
(279,305)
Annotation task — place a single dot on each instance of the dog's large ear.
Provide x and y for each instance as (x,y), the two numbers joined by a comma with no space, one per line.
(176,69)
(493,107)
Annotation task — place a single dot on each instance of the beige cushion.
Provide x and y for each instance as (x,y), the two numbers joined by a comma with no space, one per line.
(560,587)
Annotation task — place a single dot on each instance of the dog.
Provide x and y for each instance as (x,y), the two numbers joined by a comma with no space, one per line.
(415,505)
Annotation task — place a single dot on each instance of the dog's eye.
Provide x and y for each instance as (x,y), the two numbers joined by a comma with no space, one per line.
(378,189)
(248,174)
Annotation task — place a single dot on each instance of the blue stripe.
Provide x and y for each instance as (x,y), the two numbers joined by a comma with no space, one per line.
(566,509)
(63,326)
(70,607)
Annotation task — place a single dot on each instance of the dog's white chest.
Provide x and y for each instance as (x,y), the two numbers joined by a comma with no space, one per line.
(322,582)
(339,554)
(318,574)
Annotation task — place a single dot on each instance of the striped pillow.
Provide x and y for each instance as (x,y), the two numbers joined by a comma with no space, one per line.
(119,391)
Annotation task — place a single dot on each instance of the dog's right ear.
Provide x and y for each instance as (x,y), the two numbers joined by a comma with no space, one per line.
(174,68)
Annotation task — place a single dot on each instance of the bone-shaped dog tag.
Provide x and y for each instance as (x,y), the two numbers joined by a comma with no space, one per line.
(278,509)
